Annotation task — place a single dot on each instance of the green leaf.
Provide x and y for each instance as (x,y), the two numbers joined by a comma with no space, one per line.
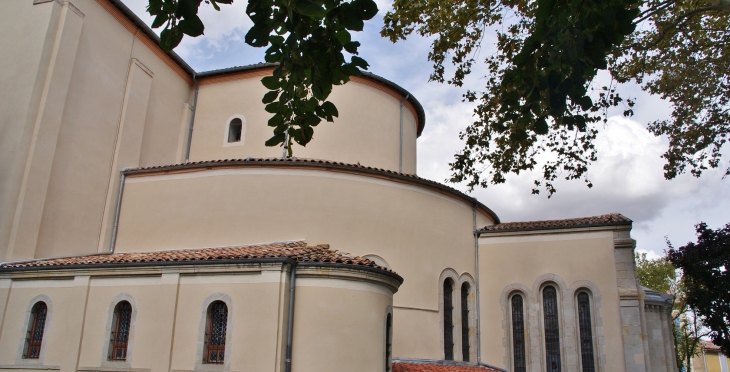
(276,120)
(310,9)
(330,108)
(359,62)
(192,26)
(273,107)
(170,38)
(352,46)
(368,8)
(353,22)
(270,96)
(275,140)
(271,83)
(160,20)
(258,35)
(276,40)
(343,37)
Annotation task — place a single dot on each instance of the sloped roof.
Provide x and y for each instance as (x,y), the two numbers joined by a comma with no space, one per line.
(325,164)
(708,345)
(297,251)
(438,366)
(602,220)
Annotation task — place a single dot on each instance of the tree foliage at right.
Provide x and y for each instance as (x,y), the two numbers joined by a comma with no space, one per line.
(706,280)
(540,97)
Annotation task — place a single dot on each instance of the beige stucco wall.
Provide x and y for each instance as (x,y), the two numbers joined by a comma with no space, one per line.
(63,121)
(340,325)
(333,316)
(570,260)
(418,232)
(367,130)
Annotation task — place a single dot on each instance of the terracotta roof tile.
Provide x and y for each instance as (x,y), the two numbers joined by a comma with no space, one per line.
(438,367)
(708,345)
(298,251)
(602,220)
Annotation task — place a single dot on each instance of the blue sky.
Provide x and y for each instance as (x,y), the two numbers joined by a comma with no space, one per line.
(627,178)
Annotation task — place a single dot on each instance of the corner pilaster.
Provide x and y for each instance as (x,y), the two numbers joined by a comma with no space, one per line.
(631,304)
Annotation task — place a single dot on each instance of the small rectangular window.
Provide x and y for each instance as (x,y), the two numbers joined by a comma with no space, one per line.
(234,130)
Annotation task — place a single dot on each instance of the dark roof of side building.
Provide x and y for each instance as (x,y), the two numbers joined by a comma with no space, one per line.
(610,219)
(189,70)
(326,164)
(438,366)
(297,251)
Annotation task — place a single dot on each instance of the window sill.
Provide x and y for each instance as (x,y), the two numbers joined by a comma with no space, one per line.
(31,366)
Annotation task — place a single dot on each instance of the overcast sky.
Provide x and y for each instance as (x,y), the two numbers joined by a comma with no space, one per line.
(627,178)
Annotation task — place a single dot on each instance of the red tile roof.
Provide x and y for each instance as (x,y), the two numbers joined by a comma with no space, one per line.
(322,164)
(425,366)
(708,345)
(298,251)
(602,220)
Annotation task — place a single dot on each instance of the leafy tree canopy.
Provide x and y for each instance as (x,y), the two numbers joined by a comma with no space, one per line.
(658,274)
(307,38)
(706,280)
(539,96)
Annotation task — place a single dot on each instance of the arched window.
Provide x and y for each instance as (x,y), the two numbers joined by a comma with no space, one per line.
(448,320)
(34,338)
(120,331)
(552,328)
(465,321)
(518,334)
(586,332)
(235,129)
(215,333)
(388,342)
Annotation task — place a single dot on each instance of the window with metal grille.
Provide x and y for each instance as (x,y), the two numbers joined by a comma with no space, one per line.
(586,332)
(518,334)
(388,342)
(34,337)
(552,328)
(120,331)
(465,321)
(448,320)
(215,333)
(235,127)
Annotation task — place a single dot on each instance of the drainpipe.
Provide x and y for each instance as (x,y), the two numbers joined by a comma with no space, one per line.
(192,120)
(476,274)
(113,241)
(400,144)
(290,324)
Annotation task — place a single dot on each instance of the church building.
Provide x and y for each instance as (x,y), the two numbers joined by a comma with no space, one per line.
(145,227)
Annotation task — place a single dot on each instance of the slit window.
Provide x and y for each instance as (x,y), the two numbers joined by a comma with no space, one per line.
(586,332)
(215,333)
(448,320)
(388,342)
(518,334)
(36,325)
(465,321)
(552,328)
(120,331)
(235,129)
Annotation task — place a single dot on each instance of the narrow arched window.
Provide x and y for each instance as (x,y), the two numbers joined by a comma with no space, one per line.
(465,321)
(388,342)
(552,328)
(586,332)
(119,340)
(448,320)
(518,334)
(215,333)
(235,129)
(36,325)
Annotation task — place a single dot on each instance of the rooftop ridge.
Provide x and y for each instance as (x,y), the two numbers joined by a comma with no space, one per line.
(601,220)
(297,251)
